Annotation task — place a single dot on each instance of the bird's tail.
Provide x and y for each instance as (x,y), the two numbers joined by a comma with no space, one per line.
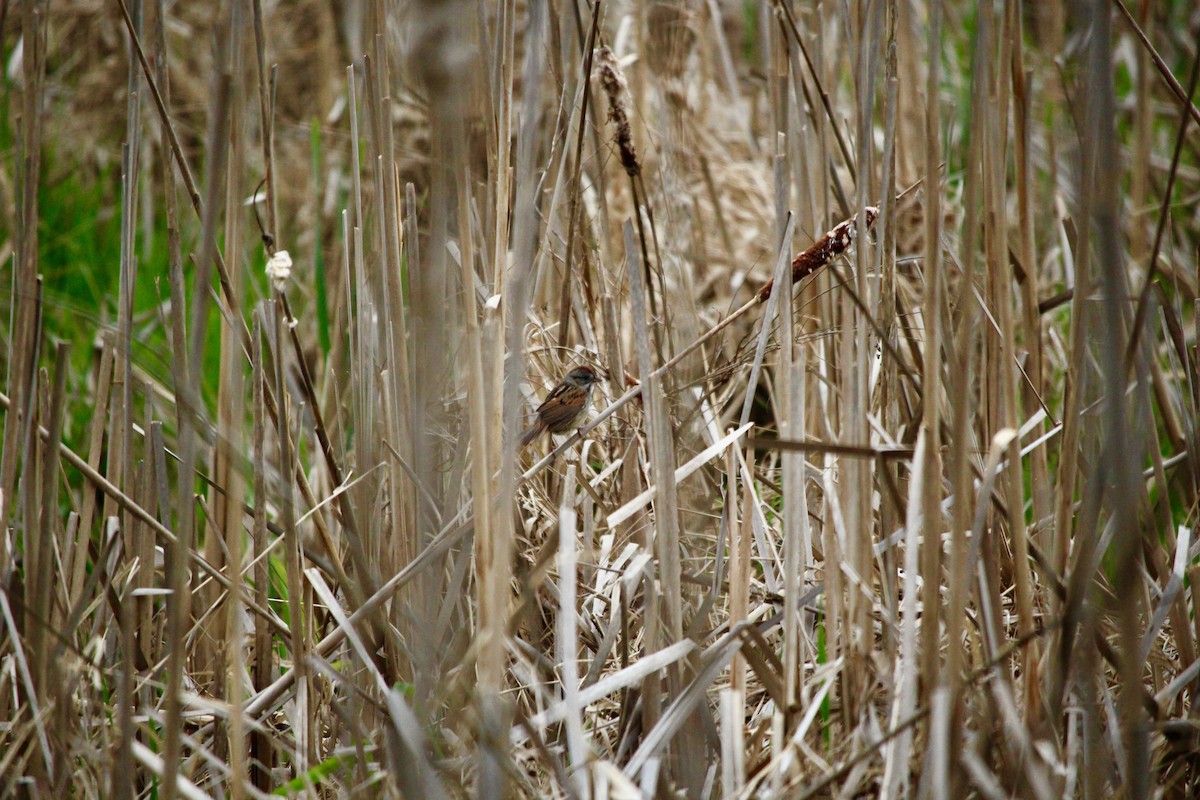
(530,434)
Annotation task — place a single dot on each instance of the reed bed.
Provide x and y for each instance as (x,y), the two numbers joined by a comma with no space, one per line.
(890,489)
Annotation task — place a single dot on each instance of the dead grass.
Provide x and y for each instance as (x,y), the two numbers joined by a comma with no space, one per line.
(920,526)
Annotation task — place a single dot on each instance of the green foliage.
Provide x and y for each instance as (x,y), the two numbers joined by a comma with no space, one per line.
(278,592)
(317,775)
(323,333)
(750,31)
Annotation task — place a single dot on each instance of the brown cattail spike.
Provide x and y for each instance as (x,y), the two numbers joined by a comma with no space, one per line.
(609,71)
(835,242)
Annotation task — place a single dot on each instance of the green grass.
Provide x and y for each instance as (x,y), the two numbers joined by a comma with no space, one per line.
(322,300)
(317,775)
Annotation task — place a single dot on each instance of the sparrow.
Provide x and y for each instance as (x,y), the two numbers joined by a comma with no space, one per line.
(566,405)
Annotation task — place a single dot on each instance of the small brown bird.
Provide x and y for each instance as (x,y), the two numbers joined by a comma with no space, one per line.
(566,406)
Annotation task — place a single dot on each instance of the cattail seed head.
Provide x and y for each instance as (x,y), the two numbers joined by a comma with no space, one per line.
(608,69)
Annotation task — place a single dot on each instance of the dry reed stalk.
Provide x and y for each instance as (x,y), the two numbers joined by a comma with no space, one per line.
(21,363)
(854,360)
(121,465)
(40,580)
(225,506)
(1007,407)
(662,456)
(1040,483)
(179,606)
(75,562)
(260,754)
(403,382)
(515,291)
(887,404)
(564,314)
(932,414)
(567,635)
(1100,136)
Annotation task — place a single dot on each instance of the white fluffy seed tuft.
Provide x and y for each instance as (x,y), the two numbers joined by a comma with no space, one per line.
(279,268)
